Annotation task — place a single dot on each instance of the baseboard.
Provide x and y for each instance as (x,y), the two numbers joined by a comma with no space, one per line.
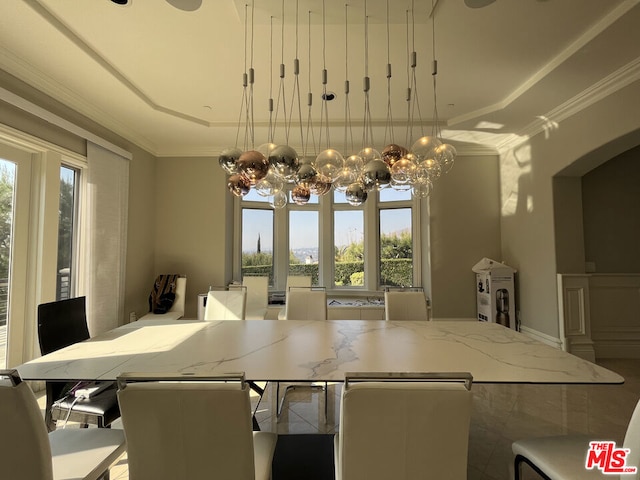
(541,337)
(617,348)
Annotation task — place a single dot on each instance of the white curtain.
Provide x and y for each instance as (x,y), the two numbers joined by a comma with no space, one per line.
(105,237)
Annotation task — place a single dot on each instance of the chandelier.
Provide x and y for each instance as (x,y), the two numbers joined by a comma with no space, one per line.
(272,169)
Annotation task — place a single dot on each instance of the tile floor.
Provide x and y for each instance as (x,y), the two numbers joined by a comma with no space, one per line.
(501,414)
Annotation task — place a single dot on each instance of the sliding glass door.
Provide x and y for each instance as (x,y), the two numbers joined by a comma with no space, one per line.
(15,180)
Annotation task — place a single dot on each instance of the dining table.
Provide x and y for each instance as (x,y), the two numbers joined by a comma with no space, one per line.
(313,351)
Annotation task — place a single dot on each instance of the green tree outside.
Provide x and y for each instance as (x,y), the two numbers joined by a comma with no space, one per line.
(396,262)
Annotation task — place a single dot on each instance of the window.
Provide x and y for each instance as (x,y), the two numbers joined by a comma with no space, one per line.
(48,228)
(348,241)
(396,244)
(342,247)
(304,246)
(7,195)
(396,247)
(67,233)
(257,242)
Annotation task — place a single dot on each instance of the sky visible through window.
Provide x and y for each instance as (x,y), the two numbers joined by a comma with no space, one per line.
(257,222)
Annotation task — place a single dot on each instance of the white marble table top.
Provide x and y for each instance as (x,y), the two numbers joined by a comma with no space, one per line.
(316,351)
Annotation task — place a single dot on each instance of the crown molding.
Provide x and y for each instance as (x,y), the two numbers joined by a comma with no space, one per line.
(604,23)
(36,79)
(610,84)
(19,102)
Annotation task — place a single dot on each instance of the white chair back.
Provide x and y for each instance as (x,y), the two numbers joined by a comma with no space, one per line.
(27,452)
(403,429)
(306,304)
(297,281)
(632,442)
(24,443)
(405,305)
(188,427)
(226,304)
(176,312)
(181,291)
(257,297)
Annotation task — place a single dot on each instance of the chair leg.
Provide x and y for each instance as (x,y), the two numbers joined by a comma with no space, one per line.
(517,464)
(326,401)
(517,468)
(105,476)
(53,391)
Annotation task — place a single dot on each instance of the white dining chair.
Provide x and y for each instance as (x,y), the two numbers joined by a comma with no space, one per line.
(403,426)
(28,452)
(257,297)
(226,303)
(405,304)
(563,457)
(306,303)
(176,311)
(185,427)
(293,281)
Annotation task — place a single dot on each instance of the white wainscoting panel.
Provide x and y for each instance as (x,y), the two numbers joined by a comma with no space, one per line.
(615,315)
(574,315)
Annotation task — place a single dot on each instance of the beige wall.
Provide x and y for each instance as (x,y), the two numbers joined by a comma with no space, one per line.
(464,228)
(527,226)
(141,233)
(193,224)
(180,209)
(141,218)
(569,237)
(194,227)
(611,199)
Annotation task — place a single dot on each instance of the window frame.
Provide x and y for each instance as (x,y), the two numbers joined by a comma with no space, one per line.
(41,201)
(79,188)
(326,274)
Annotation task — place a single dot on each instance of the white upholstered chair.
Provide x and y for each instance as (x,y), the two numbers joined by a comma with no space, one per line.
(306,303)
(27,452)
(293,281)
(226,303)
(393,426)
(176,311)
(257,297)
(405,304)
(184,427)
(562,457)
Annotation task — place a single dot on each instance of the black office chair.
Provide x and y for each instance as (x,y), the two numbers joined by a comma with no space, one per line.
(61,324)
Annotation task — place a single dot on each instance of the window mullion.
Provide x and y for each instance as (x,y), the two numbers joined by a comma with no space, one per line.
(280,248)
(416,236)
(326,255)
(371,243)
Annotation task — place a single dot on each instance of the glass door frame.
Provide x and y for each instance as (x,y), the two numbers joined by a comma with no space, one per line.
(35,237)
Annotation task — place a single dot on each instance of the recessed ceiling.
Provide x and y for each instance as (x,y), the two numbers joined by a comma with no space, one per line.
(167,75)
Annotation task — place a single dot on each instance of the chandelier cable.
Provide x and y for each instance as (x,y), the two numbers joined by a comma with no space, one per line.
(324,111)
(367,131)
(250,125)
(295,97)
(281,89)
(270,103)
(389,122)
(309,132)
(348,130)
(434,74)
(244,85)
